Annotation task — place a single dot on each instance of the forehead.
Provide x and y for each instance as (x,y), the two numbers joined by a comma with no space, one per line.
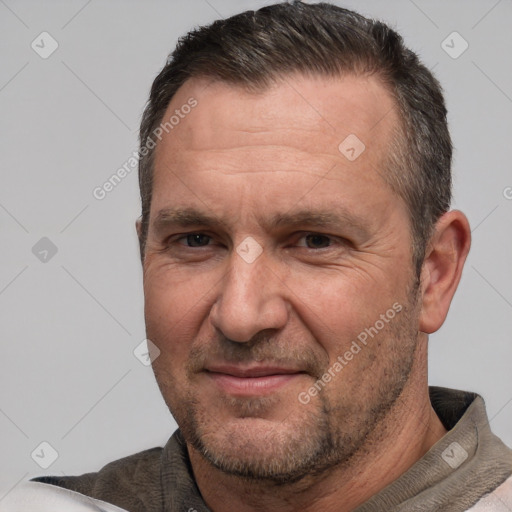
(324,106)
(299,126)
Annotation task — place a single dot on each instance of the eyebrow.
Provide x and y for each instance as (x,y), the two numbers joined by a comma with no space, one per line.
(319,218)
(190,217)
(184,218)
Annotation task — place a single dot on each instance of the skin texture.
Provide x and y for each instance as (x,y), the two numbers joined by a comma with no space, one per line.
(241,338)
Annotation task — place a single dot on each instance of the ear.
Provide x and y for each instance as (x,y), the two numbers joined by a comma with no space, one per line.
(138,227)
(442,268)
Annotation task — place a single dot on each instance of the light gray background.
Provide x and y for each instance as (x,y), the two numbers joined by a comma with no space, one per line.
(69,326)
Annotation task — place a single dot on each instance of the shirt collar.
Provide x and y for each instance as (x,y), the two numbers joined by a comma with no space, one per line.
(435,482)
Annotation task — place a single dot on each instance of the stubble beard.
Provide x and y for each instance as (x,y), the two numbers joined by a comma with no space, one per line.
(328,432)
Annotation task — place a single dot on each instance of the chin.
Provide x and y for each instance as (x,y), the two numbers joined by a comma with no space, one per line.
(280,450)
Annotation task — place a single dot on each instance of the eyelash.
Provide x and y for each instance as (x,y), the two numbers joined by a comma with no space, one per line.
(332,240)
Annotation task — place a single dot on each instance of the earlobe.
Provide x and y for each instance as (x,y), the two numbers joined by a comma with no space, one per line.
(442,268)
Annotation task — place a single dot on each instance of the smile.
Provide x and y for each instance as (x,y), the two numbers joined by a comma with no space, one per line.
(256,381)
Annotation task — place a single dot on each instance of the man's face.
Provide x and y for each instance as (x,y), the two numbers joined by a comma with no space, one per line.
(270,250)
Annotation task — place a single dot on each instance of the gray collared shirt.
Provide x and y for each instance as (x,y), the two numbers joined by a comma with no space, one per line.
(467,464)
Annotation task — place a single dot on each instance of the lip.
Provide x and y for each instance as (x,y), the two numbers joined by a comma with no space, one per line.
(251,381)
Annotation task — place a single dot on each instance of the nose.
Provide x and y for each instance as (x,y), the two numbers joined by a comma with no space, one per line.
(252,298)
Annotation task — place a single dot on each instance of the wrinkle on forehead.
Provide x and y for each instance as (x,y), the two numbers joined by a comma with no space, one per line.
(298,105)
(284,136)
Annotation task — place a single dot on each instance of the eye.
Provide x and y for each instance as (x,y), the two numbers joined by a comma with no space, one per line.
(315,241)
(195,240)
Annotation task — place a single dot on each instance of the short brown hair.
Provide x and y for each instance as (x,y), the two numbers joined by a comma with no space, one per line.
(255,48)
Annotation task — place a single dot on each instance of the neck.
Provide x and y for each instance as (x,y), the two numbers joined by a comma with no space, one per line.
(409,430)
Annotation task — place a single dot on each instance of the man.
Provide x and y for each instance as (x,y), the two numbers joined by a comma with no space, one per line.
(298,249)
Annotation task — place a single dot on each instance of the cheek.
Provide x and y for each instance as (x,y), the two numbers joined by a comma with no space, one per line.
(174,309)
(338,308)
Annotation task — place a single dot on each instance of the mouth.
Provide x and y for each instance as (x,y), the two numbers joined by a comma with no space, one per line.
(251,381)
